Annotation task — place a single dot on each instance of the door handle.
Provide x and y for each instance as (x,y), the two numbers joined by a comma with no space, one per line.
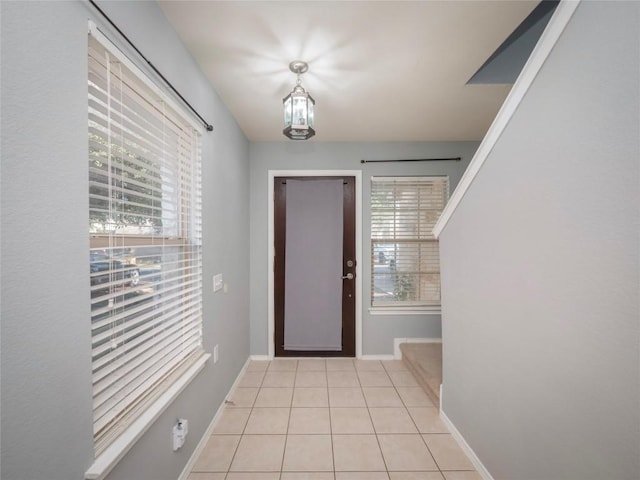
(348,276)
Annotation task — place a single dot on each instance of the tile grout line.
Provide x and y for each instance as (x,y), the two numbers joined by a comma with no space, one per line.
(395,387)
(286,436)
(384,460)
(264,374)
(333,454)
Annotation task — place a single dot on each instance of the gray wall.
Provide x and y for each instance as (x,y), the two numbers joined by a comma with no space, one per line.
(46,365)
(379,330)
(541,269)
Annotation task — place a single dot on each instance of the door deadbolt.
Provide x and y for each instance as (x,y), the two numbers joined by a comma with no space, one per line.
(349,263)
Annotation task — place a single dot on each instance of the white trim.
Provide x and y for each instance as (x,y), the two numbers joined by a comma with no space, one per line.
(205,437)
(94,31)
(397,353)
(406,178)
(402,311)
(270,247)
(543,48)
(108,459)
(457,436)
(261,358)
(377,357)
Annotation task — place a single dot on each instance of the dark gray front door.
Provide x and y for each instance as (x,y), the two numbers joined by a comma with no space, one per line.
(314,266)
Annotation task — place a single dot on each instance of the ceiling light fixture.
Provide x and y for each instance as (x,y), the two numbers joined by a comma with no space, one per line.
(298,107)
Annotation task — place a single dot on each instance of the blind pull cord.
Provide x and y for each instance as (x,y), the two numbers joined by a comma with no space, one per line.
(207,125)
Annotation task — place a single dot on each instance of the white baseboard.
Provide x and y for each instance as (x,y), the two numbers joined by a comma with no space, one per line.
(480,468)
(397,354)
(260,358)
(377,357)
(205,438)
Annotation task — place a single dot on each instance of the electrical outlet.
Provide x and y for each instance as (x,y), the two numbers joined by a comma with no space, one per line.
(180,430)
(215,354)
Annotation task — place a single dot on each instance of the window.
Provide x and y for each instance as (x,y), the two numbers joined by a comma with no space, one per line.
(145,241)
(405,264)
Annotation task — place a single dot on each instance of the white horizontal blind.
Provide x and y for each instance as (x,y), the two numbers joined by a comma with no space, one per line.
(145,231)
(405,263)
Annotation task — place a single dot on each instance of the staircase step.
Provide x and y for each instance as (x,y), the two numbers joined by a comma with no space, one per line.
(424,360)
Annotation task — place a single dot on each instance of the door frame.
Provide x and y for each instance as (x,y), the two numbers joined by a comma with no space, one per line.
(271,247)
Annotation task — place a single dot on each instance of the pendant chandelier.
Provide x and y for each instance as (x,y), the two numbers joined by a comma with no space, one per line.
(298,107)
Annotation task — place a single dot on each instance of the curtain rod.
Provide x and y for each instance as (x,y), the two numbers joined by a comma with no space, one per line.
(207,125)
(457,159)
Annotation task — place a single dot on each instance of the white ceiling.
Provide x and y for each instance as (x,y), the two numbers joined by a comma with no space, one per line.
(378,70)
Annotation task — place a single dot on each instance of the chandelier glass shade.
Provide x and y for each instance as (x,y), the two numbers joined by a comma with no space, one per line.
(298,108)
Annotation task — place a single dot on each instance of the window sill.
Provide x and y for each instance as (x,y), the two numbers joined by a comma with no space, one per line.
(405,310)
(117,450)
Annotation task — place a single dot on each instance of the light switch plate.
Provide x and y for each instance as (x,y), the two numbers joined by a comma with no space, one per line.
(218,282)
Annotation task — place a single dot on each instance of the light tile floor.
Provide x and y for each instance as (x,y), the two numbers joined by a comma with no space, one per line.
(333,419)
